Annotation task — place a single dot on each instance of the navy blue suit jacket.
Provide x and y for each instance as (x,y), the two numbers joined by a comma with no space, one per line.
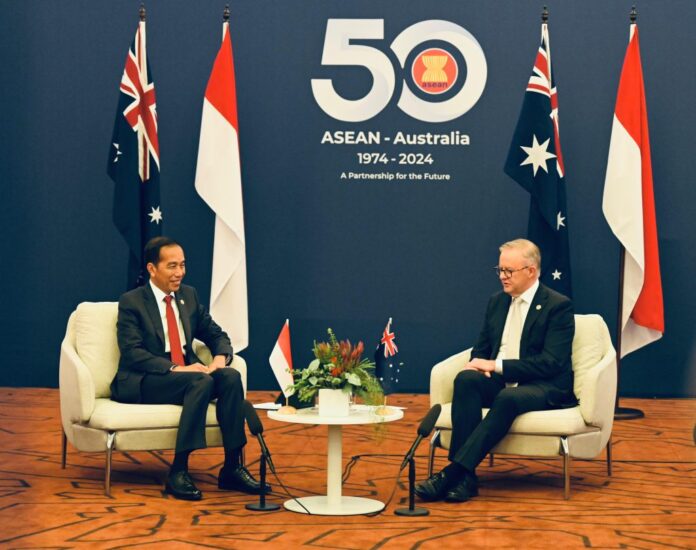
(141,338)
(545,346)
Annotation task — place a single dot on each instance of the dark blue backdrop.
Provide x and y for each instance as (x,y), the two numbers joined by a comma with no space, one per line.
(322,252)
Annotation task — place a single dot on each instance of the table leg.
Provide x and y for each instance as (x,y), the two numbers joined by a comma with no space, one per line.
(334,503)
(333,469)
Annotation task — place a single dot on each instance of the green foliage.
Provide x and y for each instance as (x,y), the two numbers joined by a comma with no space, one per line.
(338,365)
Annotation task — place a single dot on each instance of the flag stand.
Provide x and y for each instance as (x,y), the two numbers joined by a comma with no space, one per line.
(287,408)
(383,410)
(622,413)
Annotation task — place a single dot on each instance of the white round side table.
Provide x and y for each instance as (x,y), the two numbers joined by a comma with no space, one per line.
(334,503)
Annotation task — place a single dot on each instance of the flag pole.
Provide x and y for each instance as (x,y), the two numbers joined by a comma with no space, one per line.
(287,408)
(141,12)
(623,413)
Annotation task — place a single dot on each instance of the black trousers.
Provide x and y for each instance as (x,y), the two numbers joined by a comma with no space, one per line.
(473,436)
(195,391)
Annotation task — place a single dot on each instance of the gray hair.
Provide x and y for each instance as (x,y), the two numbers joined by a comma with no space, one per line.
(529,250)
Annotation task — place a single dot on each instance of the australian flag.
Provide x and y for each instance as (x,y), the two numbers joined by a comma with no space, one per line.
(387,366)
(133,163)
(536,163)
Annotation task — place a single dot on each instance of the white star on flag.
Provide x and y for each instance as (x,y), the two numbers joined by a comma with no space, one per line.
(559,221)
(556,275)
(155,215)
(537,154)
(118,152)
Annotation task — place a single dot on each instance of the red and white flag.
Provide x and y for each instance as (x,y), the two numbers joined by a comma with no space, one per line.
(629,207)
(219,183)
(281,360)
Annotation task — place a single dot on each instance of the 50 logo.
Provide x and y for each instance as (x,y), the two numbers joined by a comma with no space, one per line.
(434,70)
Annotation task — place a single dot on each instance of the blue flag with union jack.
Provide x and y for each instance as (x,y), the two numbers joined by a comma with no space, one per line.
(536,163)
(133,163)
(387,366)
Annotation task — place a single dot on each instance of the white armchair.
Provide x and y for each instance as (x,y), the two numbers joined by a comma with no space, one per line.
(92,422)
(579,432)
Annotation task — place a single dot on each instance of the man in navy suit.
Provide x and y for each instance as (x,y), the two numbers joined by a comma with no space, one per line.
(520,363)
(156,326)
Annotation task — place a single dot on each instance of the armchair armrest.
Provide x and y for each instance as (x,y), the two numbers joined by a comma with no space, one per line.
(598,395)
(77,392)
(240,364)
(442,377)
(202,351)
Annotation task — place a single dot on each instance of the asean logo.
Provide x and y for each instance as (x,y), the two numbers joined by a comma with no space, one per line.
(434,71)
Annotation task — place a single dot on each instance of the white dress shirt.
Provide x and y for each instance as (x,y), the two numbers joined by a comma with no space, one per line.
(162,305)
(525,302)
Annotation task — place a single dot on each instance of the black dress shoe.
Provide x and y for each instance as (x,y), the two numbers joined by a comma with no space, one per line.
(463,491)
(240,479)
(433,488)
(180,485)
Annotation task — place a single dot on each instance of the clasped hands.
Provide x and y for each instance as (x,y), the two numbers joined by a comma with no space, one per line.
(484,366)
(217,363)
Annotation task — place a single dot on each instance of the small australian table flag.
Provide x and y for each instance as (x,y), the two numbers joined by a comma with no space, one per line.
(387,366)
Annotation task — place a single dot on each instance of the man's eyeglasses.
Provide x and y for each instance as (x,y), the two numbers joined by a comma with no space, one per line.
(507,273)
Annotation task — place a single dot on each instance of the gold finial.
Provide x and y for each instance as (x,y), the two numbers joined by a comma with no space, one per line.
(141,11)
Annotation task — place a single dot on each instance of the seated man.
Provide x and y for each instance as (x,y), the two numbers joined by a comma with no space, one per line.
(520,363)
(156,326)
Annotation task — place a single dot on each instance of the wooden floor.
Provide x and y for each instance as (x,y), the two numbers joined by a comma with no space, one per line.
(649,502)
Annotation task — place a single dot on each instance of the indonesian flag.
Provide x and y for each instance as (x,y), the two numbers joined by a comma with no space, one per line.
(629,207)
(219,183)
(281,360)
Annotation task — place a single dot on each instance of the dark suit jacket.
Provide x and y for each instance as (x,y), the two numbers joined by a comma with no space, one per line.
(545,347)
(141,338)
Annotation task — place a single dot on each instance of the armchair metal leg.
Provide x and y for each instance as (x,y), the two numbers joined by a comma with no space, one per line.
(609,457)
(63,449)
(434,443)
(566,468)
(107,474)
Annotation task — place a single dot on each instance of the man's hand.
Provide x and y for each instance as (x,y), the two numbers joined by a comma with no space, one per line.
(217,363)
(485,366)
(195,367)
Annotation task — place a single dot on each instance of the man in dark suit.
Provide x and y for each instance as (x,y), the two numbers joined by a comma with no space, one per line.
(520,363)
(156,326)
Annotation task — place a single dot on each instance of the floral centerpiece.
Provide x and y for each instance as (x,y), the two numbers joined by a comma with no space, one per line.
(338,365)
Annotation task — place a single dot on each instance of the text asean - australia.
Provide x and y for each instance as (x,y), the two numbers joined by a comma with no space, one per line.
(350,137)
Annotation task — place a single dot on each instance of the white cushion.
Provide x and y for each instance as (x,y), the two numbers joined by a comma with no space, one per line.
(553,422)
(556,421)
(113,416)
(96,344)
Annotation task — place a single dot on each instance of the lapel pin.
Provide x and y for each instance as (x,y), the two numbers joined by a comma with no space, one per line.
(182,302)
(537,308)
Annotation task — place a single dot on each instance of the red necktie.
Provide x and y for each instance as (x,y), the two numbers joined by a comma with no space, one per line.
(173,330)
